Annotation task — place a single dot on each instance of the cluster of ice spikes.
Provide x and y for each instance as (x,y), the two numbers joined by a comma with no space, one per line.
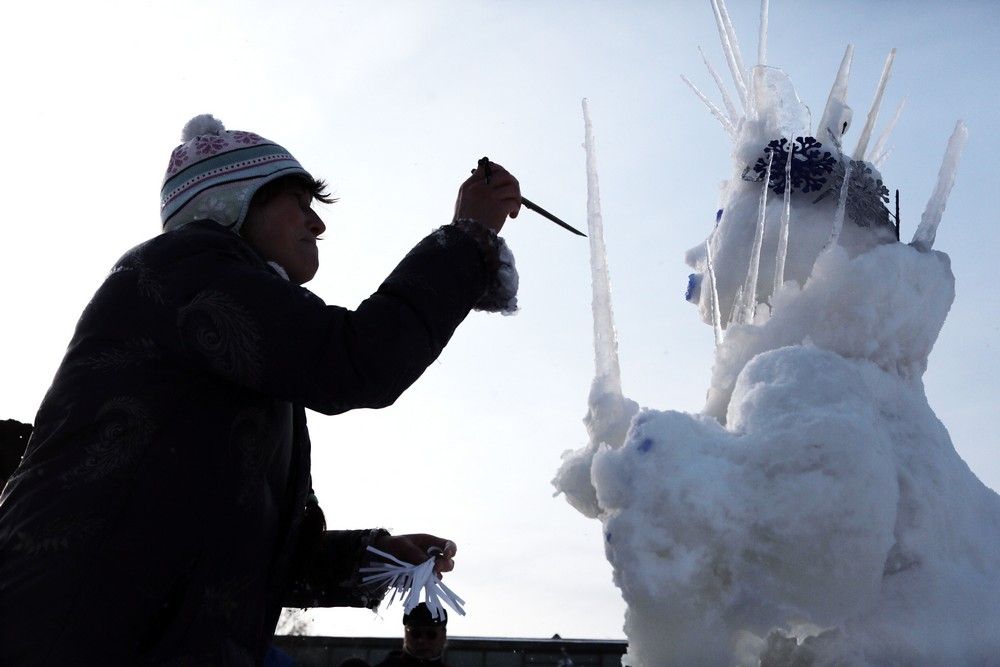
(866,202)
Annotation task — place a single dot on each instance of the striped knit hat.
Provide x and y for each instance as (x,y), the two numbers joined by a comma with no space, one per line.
(214,174)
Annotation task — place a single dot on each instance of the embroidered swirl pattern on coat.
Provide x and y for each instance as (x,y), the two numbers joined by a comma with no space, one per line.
(148,283)
(123,428)
(224,333)
(59,534)
(133,353)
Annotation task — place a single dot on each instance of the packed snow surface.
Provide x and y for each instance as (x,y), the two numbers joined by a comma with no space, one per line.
(815,512)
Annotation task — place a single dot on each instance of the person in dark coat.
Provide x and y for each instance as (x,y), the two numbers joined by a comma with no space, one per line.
(13,440)
(425,637)
(163,512)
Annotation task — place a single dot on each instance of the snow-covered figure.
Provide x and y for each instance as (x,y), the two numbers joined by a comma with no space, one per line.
(163,511)
(816,511)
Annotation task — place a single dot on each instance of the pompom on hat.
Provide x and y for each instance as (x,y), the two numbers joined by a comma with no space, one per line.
(215,172)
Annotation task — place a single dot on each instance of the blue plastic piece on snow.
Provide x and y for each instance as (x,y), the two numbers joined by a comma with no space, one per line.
(693,292)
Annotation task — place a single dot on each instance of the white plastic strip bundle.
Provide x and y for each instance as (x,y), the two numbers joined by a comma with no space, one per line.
(408,581)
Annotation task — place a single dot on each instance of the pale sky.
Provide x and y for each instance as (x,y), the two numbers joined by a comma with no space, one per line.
(393,103)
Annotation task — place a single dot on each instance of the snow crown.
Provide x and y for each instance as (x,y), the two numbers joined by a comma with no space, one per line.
(798,192)
(215,172)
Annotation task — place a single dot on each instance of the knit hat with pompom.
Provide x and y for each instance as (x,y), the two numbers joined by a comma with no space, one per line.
(215,172)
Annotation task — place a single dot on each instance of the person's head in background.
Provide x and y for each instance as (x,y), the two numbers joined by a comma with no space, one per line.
(424,636)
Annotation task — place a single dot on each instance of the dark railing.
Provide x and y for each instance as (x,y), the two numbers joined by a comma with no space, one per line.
(461,652)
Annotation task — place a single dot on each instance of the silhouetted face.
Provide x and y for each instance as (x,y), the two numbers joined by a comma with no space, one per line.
(284,230)
(425,642)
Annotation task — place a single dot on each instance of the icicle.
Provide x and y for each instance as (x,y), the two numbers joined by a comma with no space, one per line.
(724,11)
(750,285)
(866,133)
(732,52)
(880,160)
(734,115)
(923,238)
(786,216)
(736,312)
(838,218)
(716,315)
(605,340)
(762,35)
(837,115)
(716,111)
(878,154)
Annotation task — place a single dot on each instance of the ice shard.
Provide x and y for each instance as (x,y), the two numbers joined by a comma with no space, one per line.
(731,49)
(753,270)
(716,315)
(608,412)
(727,125)
(734,114)
(923,238)
(879,153)
(724,13)
(837,115)
(866,133)
(776,104)
(605,339)
(841,213)
(762,34)
(786,215)
(736,312)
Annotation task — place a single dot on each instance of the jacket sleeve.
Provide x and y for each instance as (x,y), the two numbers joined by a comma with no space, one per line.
(242,322)
(326,563)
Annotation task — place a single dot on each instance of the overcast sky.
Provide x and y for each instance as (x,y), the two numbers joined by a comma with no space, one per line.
(393,103)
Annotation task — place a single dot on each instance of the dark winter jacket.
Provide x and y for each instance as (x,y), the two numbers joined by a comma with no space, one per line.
(403,659)
(13,439)
(163,510)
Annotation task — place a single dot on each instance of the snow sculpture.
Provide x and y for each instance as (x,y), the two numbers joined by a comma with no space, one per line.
(816,511)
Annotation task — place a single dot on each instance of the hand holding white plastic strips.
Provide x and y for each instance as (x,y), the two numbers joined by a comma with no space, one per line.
(408,581)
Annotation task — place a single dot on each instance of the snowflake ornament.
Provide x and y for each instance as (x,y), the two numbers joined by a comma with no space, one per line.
(867,196)
(809,169)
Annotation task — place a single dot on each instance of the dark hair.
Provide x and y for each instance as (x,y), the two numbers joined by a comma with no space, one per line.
(315,187)
(421,617)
